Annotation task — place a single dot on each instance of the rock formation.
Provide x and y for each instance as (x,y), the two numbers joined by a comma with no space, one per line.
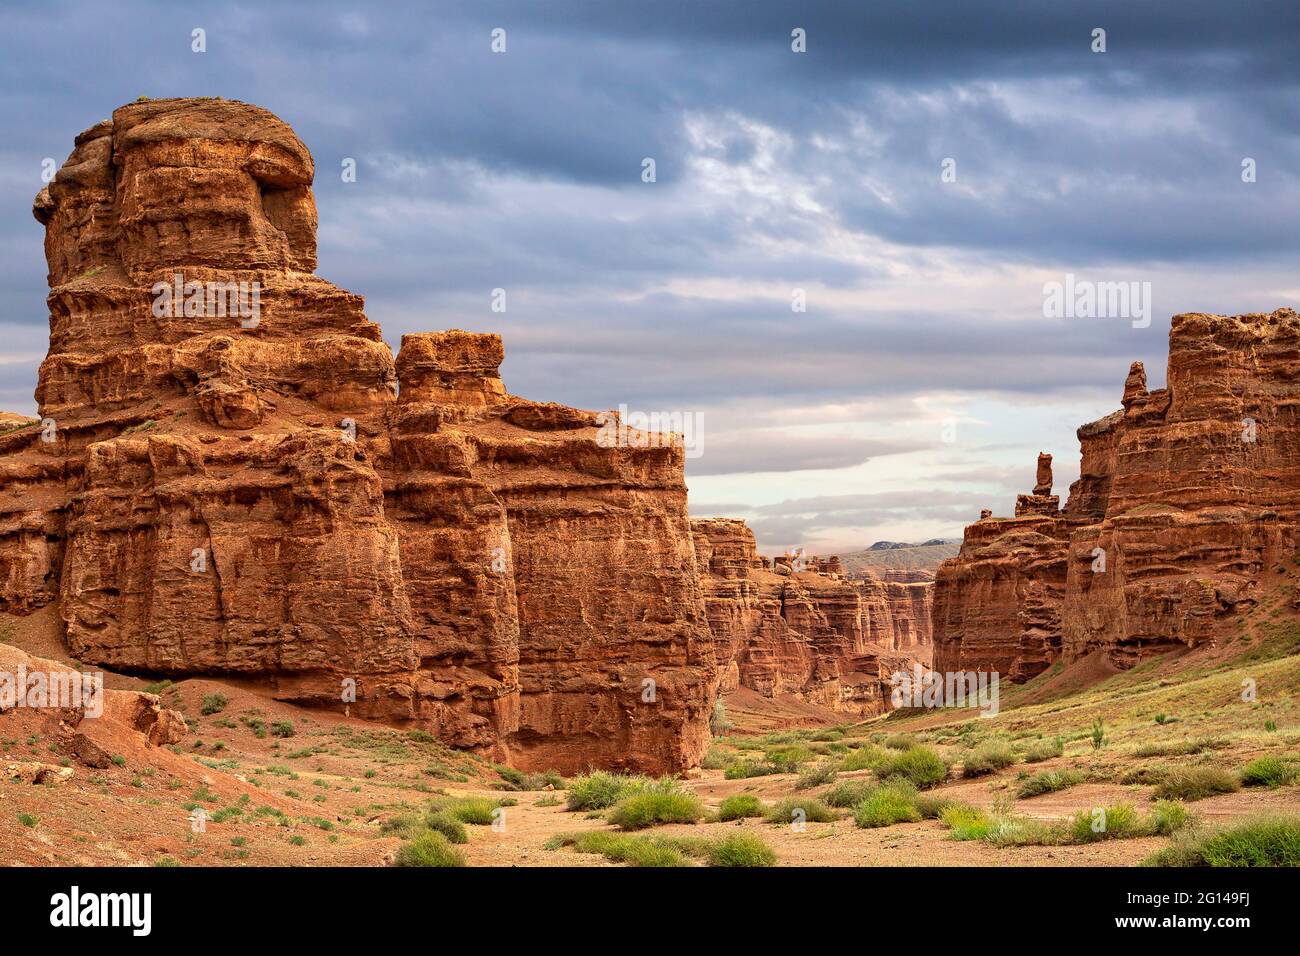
(232,476)
(812,633)
(1185,495)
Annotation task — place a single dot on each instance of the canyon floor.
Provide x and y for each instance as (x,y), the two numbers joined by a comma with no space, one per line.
(321,792)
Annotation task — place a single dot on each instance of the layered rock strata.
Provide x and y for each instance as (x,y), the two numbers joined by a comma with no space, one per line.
(1185,496)
(233,476)
(811,634)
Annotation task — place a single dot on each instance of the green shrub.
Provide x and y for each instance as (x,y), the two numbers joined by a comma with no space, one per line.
(213,704)
(744,769)
(1098,733)
(1005,831)
(430,848)
(900,742)
(282,728)
(787,810)
(789,759)
(27,820)
(651,809)
(818,775)
(1169,816)
(989,757)
(600,790)
(741,849)
(886,805)
(1048,781)
(446,824)
(716,759)
(1111,823)
(1040,750)
(617,848)
(1267,772)
(1264,842)
(1195,783)
(966,822)
(848,793)
(864,758)
(932,805)
(920,765)
(477,811)
(739,807)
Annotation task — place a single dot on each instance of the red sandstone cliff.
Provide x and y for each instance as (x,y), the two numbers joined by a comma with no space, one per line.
(273,496)
(825,639)
(1185,496)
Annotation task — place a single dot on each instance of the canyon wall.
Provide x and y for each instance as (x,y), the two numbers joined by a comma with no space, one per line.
(249,484)
(811,634)
(1186,495)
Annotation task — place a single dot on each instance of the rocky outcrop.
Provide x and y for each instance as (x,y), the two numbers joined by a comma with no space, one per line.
(811,633)
(232,475)
(1185,495)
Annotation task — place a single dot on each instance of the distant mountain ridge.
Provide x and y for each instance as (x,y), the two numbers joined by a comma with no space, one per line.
(901,555)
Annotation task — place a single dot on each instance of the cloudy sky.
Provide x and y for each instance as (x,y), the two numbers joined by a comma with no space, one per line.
(922,378)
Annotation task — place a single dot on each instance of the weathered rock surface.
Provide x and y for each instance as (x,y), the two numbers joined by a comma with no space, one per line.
(1185,496)
(812,634)
(243,481)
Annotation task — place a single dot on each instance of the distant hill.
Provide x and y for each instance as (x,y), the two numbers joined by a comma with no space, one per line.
(901,555)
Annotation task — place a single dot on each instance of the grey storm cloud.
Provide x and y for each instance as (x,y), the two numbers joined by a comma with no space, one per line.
(775,171)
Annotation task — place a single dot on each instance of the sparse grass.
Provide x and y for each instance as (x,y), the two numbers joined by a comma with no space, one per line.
(476,811)
(741,849)
(1049,781)
(923,767)
(1039,750)
(430,848)
(989,757)
(452,829)
(282,728)
(618,848)
(1196,783)
(966,822)
(518,780)
(900,742)
(1267,772)
(213,704)
(600,790)
(818,775)
(743,769)
(1264,841)
(805,809)
(1169,816)
(654,808)
(739,807)
(932,805)
(864,758)
(1117,822)
(848,793)
(886,805)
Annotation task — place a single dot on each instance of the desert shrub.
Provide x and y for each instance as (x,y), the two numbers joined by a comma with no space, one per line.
(405,825)
(932,805)
(864,758)
(1181,748)
(1267,841)
(920,765)
(744,769)
(966,822)
(1168,816)
(428,849)
(1267,772)
(1040,750)
(900,742)
(848,793)
(518,780)
(282,728)
(716,759)
(1195,783)
(1006,831)
(989,757)
(741,849)
(886,805)
(599,790)
(1049,781)
(813,811)
(740,806)
(1112,823)
(653,808)
(446,824)
(213,704)
(1098,733)
(1146,776)
(477,811)
(789,759)
(818,775)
